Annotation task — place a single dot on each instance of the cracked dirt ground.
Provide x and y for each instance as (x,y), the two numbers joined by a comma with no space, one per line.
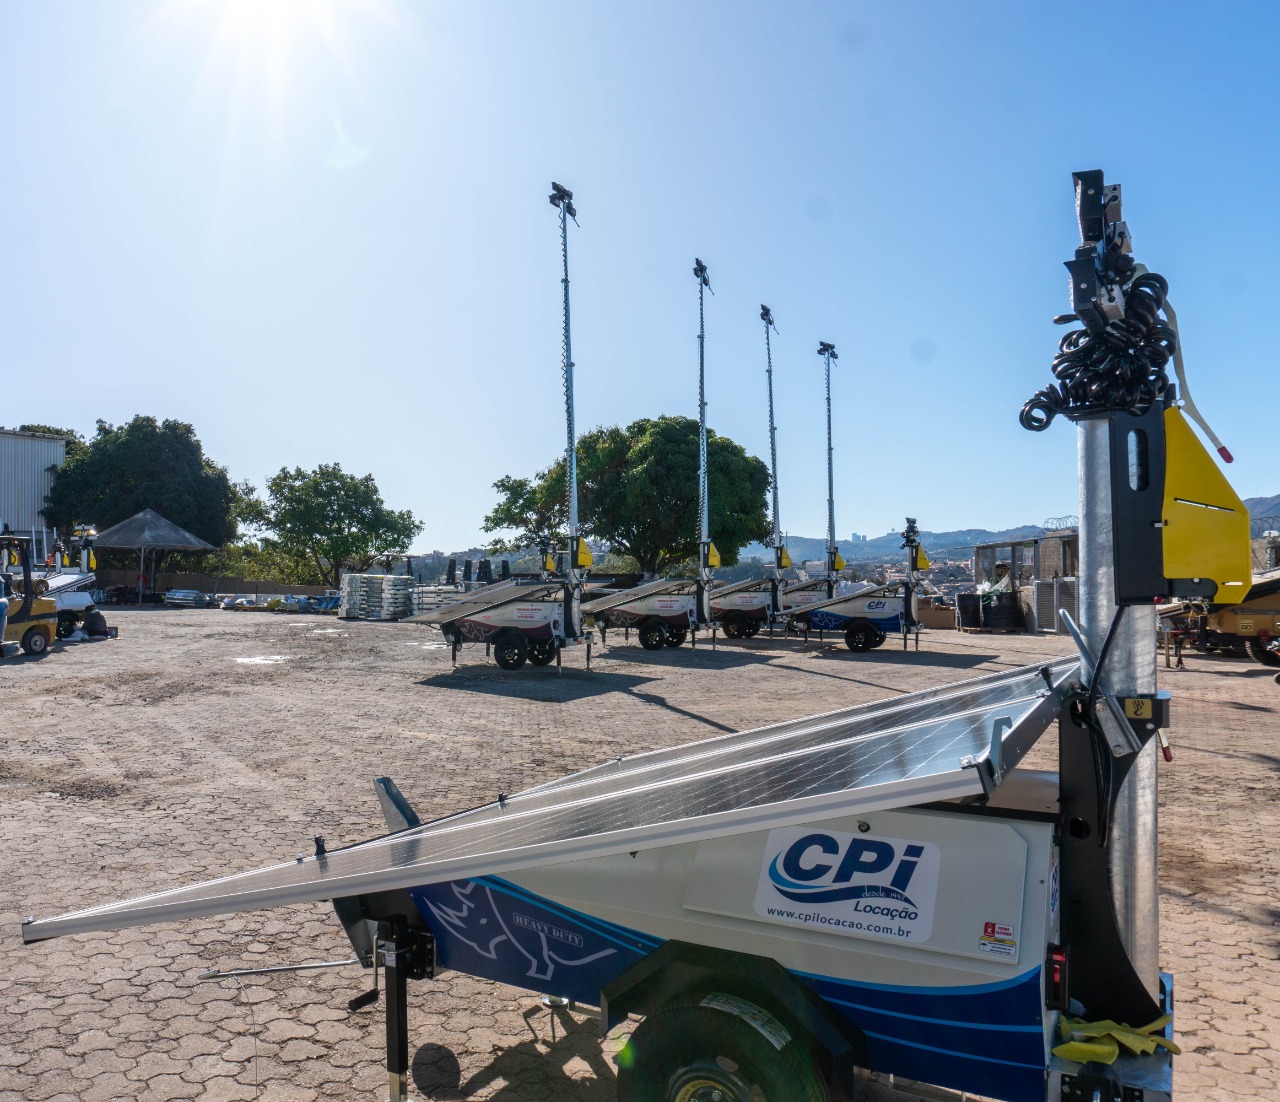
(164,757)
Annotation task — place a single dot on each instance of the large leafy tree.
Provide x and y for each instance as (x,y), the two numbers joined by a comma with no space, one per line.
(75,442)
(147,464)
(335,520)
(638,494)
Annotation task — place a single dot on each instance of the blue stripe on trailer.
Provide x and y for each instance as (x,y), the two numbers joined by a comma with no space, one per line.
(986,1075)
(983,1038)
(624,935)
(493,929)
(823,620)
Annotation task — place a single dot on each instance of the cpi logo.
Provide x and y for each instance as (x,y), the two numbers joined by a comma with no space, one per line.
(854,885)
(826,868)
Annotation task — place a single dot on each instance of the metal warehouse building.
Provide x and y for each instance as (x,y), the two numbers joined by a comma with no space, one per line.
(25,479)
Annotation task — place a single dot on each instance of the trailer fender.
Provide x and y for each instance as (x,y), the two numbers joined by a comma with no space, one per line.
(677,969)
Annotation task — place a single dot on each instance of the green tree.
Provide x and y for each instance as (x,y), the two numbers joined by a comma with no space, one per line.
(638,494)
(336,521)
(145,465)
(75,442)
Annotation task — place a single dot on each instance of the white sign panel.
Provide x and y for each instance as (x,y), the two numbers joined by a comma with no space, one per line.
(858,885)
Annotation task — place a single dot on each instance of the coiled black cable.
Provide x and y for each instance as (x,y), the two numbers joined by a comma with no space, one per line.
(1118,370)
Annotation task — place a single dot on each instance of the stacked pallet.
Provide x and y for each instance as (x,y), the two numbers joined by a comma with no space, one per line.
(375,596)
(428,598)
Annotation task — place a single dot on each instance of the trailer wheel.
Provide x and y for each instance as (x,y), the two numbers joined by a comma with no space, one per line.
(653,634)
(687,1052)
(1263,654)
(542,652)
(66,624)
(510,650)
(676,636)
(35,642)
(751,629)
(734,626)
(860,636)
(879,639)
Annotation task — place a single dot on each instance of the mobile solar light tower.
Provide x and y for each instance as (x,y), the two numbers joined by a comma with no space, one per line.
(876,888)
(577,556)
(708,556)
(781,560)
(827,351)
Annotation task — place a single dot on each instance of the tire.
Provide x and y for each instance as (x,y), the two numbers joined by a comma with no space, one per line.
(1262,654)
(35,642)
(66,624)
(751,629)
(878,641)
(860,636)
(676,636)
(653,634)
(687,1052)
(734,626)
(542,652)
(510,650)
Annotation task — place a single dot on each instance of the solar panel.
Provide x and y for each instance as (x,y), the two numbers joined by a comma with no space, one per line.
(740,587)
(830,601)
(490,596)
(915,749)
(626,596)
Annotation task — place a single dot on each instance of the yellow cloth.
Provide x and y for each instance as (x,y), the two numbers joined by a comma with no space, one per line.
(1100,1042)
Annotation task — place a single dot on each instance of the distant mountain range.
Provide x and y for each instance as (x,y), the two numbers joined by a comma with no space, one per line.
(937,544)
(1263,506)
(958,544)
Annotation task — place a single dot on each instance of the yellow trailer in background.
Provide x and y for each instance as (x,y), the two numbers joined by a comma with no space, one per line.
(32,620)
(1252,625)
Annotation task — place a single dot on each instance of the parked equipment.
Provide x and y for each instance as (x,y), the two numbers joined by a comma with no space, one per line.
(869,617)
(664,613)
(667,611)
(1253,625)
(742,608)
(31,619)
(877,888)
(531,622)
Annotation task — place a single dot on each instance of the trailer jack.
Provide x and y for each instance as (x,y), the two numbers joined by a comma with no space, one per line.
(406,954)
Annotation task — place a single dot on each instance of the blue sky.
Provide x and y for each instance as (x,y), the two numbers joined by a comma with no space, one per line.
(319,231)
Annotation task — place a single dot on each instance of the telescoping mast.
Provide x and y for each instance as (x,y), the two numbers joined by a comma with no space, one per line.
(668,611)
(523,621)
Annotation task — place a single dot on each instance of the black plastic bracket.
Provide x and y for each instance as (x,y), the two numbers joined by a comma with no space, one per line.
(1137,506)
(1102,977)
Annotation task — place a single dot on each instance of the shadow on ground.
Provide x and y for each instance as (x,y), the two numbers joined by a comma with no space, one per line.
(532,683)
(701,657)
(536,1069)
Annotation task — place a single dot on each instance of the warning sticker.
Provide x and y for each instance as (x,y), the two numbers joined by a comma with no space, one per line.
(999,939)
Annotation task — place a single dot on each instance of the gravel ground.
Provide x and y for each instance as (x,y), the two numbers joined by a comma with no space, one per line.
(202,743)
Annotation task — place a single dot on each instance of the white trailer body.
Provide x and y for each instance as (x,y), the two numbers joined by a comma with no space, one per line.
(883,860)
(676,609)
(944,979)
(882,608)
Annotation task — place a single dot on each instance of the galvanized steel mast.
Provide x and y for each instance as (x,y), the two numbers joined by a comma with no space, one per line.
(562,198)
(704,536)
(766,316)
(827,351)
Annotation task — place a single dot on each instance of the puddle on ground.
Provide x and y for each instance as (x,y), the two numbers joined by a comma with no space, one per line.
(265,659)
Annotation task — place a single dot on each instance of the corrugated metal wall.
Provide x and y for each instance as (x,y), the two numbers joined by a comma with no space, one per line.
(25,479)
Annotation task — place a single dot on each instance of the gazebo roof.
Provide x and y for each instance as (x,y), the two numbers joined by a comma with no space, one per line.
(148,529)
